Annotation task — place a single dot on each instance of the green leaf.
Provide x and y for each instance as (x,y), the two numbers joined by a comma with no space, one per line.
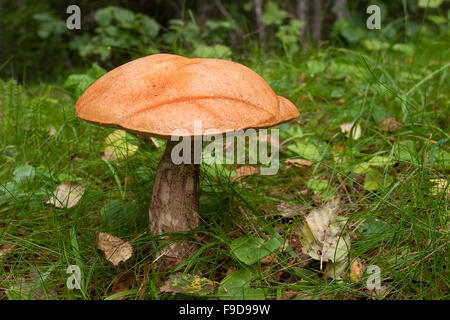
(321,188)
(218,51)
(430,3)
(406,151)
(437,19)
(361,168)
(251,250)
(375,180)
(317,185)
(188,284)
(149,26)
(273,14)
(306,150)
(24,174)
(337,93)
(374,44)
(124,16)
(315,66)
(96,71)
(373,227)
(78,83)
(236,286)
(103,17)
(404,48)
(379,161)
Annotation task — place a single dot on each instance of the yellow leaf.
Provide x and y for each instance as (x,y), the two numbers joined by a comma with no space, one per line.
(117,146)
(356,270)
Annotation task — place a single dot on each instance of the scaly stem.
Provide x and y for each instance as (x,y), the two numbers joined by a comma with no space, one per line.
(175,201)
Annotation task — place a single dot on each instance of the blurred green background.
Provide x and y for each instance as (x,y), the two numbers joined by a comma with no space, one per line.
(36,44)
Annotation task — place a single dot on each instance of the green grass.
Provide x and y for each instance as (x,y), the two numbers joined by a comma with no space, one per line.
(402,226)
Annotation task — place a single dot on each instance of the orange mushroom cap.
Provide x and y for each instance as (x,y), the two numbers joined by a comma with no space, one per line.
(164,93)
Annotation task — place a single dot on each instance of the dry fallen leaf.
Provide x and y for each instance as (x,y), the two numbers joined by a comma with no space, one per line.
(439,186)
(334,270)
(66,195)
(117,147)
(347,127)
(322,235)
(297,163)
(5,249)
(288,210)
(115,249)
(245,171)
(122,283)
(356,270)
(390,125)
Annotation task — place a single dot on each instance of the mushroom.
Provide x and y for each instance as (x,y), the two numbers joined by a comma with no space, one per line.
(162,94)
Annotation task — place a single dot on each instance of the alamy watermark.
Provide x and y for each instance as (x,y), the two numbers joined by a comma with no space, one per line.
(74,280)
(374,20)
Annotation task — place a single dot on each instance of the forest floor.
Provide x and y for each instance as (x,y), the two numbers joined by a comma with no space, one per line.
(379,193)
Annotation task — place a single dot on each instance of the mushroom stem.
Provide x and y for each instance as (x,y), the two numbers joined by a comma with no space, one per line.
(175,201)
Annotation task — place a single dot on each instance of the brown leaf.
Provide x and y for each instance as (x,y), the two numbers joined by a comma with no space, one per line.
(301,79)
(269,259)
(356,270)
(245,171)
(297,163)
(122,283)
(5,249)
(288,210)
(115,249)
(390,125)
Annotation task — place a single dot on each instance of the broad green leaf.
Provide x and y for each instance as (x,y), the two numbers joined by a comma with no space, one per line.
(251,250)
(78,83)
(337,93)
(24,174)
(273,14)
(375,180)
(316,185)
(103,17)
(236,286)
(322,188)
(437,19)
(124,16)
(315,66)
(430,3)
(379,161)
(149,25)
(406,151)
(306,150)
(361,168)
(373,227)
(374,44)
(217,51)
(404,48)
